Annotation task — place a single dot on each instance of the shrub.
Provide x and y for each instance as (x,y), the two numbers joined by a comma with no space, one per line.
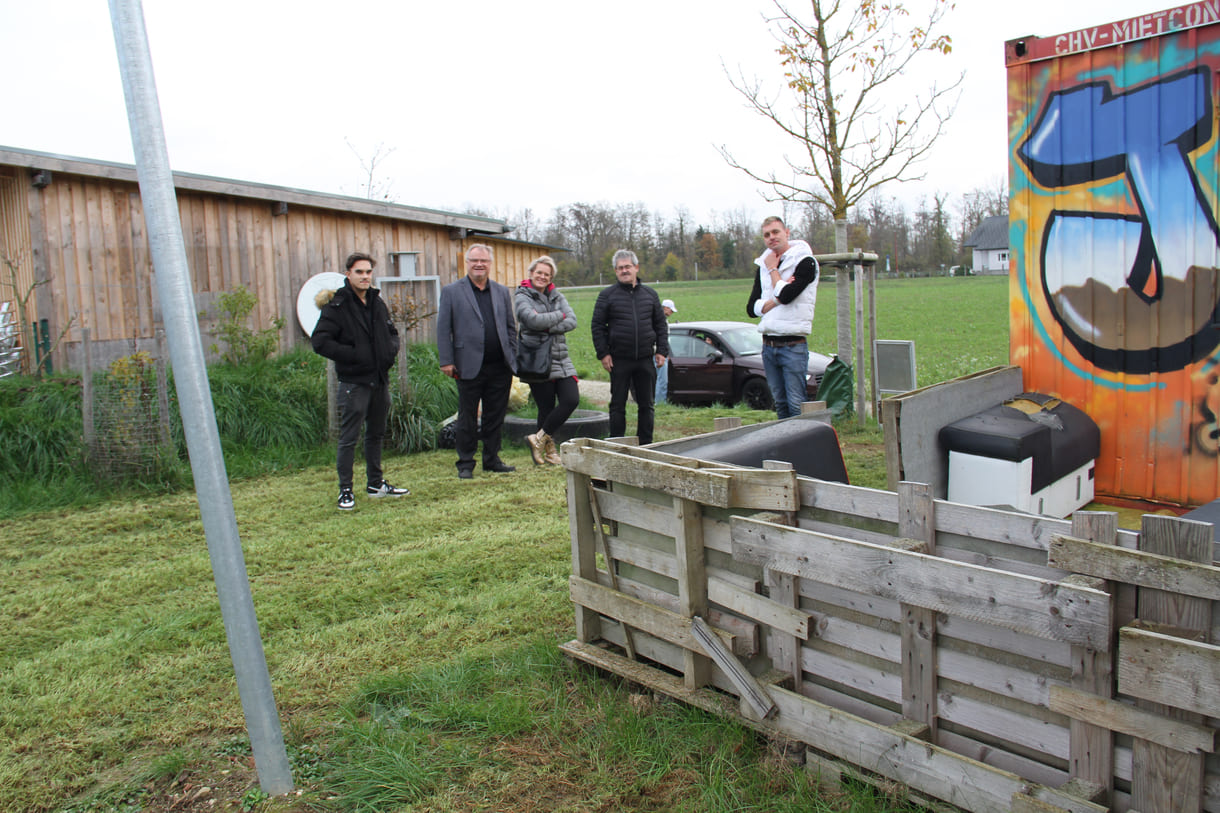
(243,345)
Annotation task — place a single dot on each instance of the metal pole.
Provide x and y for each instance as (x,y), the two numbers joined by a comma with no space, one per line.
(195,398)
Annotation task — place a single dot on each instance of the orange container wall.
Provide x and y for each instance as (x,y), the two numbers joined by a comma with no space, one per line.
(1114,295)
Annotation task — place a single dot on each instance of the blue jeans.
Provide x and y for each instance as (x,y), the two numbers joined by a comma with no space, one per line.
(787,370)
(662,391)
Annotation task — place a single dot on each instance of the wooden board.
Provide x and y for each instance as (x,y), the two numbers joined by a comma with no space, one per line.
(915,419)
(1057,611)
(1169,670)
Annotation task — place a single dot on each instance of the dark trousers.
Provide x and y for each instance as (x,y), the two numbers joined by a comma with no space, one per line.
(556,400)
(490,387)
(627,376)
(361,405)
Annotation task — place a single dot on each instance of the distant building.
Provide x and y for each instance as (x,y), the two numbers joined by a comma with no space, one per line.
(989,241)
(74,229)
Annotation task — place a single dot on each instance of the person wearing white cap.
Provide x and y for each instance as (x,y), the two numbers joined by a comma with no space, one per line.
(662,391)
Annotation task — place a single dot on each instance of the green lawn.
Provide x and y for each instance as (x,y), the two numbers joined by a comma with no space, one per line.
(411,642)
(959,325)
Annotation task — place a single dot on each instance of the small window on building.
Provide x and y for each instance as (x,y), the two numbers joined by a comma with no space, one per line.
(405,263)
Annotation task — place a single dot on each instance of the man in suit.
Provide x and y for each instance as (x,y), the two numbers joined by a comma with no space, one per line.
(477,343)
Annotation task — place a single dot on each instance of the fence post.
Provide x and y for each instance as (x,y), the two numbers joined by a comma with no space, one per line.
(784,648)
(917,522)
(332,402)
(859,285)
(1091,747)
(45,327)
(1162,778)
(86,392)
(874,397)
(162,391)
(692,583)
(404,372)
(584,555)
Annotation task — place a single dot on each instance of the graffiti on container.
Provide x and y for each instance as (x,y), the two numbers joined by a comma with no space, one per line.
(1137,293)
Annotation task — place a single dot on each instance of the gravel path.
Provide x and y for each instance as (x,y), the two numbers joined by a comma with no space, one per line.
(596,391)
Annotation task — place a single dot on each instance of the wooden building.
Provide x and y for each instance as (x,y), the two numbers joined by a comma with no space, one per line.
(75,231)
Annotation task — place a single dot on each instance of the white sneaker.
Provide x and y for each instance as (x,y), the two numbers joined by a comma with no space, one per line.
(386,490)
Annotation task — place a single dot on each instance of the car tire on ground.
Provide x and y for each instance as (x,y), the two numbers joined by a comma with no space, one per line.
(584,423)
(757,394)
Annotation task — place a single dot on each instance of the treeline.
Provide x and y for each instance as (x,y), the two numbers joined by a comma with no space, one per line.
(927,241)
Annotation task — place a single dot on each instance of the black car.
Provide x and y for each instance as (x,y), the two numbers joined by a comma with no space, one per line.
(722,361)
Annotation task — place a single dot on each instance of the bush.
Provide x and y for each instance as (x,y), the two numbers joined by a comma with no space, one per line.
(243,345)
(432,396)
(271,415)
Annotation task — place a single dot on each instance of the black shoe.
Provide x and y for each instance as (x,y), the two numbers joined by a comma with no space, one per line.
(465,474)
(499,466)
(387,490)
(346,501)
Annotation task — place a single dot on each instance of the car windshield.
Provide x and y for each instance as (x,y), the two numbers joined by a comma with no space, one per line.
(744,341)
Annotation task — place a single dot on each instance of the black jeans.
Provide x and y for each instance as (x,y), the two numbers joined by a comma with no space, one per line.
(556,399)
(361,405)
(491,388)
(638,376)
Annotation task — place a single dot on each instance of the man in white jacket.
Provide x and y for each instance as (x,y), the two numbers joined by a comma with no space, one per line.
(785,292)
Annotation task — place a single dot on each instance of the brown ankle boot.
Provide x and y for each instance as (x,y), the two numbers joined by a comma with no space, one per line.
(537,444)
(552,454)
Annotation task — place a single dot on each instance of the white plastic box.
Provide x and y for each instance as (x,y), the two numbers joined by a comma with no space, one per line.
(976,480)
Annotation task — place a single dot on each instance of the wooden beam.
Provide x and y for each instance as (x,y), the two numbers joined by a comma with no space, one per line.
(1135,567)
(923,766)
(1169,670)
(692,583)
(917,523)
(599,534)
(1040,607)
(645,617)
(751,691)
(1164,778)
(683,477)
(1091,756)
(1124,718)
(584,556)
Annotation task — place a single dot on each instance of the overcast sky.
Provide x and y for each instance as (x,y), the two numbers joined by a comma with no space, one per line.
(483,103)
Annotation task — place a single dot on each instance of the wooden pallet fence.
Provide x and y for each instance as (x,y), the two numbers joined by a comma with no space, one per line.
(983,658)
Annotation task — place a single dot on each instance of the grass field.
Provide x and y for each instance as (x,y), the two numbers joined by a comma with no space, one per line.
(959,325)
(411,642)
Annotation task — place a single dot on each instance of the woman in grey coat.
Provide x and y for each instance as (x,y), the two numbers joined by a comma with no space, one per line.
(541,309)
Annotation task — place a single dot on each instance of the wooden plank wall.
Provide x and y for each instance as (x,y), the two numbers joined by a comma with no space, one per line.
(15,238)
(985,634)
(89,236)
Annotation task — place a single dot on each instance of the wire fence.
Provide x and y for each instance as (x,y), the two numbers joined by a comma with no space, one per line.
(126,415)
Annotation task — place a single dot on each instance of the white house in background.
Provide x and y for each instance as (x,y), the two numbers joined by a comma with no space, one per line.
(989,240)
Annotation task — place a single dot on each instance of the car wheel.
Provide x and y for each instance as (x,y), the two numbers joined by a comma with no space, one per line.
(757,394)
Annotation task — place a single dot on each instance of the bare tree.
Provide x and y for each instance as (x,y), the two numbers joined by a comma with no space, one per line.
(373,188)
(843,65)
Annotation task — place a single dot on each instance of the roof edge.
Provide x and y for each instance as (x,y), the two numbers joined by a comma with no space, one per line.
(276,194)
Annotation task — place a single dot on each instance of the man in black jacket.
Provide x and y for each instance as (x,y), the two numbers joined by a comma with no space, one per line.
(631,338)
(354,330)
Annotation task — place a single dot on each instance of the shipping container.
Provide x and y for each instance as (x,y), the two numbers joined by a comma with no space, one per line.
(1114,298)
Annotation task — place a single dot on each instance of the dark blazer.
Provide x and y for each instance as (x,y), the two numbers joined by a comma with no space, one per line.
(459,327)
(362,344)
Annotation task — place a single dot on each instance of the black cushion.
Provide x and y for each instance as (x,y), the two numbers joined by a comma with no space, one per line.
(1058,436)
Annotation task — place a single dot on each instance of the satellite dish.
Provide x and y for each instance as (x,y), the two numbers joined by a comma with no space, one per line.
(307,311)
